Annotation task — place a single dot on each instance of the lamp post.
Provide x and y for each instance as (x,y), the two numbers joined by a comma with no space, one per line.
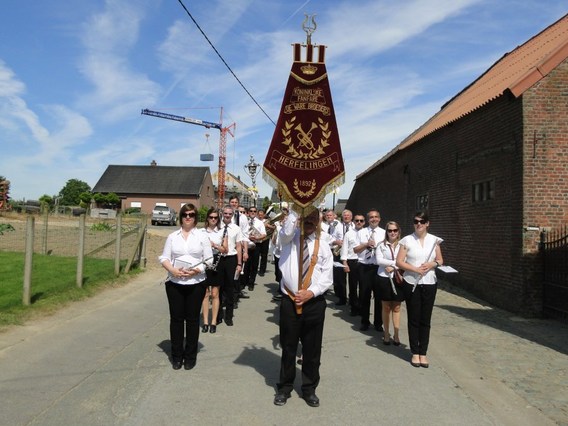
(253,169)
(335,191)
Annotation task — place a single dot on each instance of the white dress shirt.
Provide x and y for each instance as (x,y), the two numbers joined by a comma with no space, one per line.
(364,235)
(322,277)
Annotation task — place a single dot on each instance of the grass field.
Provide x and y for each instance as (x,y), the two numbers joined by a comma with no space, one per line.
(53,284)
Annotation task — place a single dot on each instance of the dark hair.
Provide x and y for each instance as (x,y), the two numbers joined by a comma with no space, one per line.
(186,208)
(213,210)
(422,214)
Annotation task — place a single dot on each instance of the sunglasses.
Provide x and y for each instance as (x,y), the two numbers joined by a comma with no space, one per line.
(252,211)
(189,214)
(213,217)
(420,221)
(359,220)
(392,230)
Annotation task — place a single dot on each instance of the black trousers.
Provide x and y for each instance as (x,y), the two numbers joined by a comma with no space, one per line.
(419,307)
(277,272)
(263,255)
(226,278)
(340,283)
(306,328)
(353,283)
(185,308)
(367,277)
(251,267)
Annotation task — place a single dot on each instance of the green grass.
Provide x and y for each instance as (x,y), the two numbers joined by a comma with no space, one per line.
(53,284)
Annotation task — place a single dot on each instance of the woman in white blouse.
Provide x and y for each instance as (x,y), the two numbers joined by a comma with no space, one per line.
(391,293)
(185,254)
(219,246)
(419,255)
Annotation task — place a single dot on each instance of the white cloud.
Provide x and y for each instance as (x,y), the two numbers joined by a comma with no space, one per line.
(108,38)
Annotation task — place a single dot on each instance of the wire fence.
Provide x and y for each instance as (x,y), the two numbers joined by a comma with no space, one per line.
(121,238)
(59,235)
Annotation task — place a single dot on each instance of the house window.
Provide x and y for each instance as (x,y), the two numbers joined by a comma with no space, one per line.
(136,204)
(422,202)
(483,191)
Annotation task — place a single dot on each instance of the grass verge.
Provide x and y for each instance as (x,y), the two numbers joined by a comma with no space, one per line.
(53,284)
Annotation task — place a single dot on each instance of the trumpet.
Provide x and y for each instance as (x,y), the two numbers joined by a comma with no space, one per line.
(270,229)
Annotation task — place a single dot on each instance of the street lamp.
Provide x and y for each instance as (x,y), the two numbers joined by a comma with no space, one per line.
(253,169)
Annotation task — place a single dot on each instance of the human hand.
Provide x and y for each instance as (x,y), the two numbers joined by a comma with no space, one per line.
(302,296)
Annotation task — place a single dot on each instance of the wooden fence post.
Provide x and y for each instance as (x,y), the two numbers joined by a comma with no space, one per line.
(117,249)
(44,236)
(81,252)
(28,263)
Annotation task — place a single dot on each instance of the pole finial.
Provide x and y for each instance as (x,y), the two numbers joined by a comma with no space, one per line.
(309,27)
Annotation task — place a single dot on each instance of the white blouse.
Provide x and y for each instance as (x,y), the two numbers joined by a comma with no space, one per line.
(416,255)
(196,248)
(384,257)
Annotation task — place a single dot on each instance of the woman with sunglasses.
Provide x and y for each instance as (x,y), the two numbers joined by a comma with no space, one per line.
(419,255)
(391,294)
(185,254)
(218,238)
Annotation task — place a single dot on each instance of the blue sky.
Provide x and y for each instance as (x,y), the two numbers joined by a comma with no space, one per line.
(75,75)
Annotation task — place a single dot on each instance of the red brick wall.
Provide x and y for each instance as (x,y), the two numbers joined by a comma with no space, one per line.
(487,242)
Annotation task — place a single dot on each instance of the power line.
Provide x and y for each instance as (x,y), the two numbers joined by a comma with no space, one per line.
(225,62)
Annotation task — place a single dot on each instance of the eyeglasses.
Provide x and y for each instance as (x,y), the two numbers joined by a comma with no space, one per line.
(359,220)
(420,221)
(392,230)
(189,214)
(213,217)
(252,211)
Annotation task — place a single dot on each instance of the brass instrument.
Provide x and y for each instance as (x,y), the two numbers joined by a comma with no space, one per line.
(272,221)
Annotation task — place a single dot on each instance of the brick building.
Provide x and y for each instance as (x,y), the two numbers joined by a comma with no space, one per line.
(491,167)
(144,186)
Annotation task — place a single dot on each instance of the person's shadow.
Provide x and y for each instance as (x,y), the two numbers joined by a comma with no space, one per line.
(264,362)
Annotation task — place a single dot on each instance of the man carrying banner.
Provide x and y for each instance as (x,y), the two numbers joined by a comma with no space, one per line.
(305,327)
(304,163)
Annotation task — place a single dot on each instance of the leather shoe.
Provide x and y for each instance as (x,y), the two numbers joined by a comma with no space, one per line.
(243,296)
(212,328)
(176,365)
(229,322)
(189,364)
(280,398)
(312,400)
(205,328)
(364,327)
(251,287)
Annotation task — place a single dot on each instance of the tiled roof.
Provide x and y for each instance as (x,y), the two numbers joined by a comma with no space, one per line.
(516,72)
(165,180)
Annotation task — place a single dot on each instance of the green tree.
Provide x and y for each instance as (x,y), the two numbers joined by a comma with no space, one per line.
(46,202)
(71,193)
(112,199)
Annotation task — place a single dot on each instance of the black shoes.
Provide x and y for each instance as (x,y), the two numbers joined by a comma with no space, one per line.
(243,296)
(379,328)
(189,364)
(229,322)
(251,287)
(205,328)
(364,327)
(212,329)
(176,365)
(281,398)
(312,400)
(261,274)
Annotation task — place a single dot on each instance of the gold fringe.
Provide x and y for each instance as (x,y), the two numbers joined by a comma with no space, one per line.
(280,187)
(308,82)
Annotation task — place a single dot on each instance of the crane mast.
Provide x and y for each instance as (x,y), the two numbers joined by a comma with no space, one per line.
(222,143)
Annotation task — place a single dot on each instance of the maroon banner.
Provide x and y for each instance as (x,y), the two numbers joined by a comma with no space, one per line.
(304,161)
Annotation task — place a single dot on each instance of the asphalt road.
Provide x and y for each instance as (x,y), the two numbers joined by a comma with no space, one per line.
(104,361)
